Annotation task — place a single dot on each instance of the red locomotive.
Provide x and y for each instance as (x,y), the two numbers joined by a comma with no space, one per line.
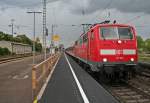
(110,48)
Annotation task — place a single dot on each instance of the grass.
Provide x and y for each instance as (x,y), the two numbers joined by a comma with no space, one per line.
(144,57)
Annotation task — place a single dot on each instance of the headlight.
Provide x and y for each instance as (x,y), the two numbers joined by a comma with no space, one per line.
(105,60)
(132,59)
(119,41)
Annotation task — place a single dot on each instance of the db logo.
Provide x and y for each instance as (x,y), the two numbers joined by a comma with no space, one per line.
(119,52)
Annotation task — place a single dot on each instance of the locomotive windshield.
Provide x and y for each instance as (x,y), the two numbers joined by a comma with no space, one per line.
(116,33)
(125,33)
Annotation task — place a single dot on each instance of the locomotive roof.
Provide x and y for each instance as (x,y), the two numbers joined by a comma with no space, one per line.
(97,25)
(110,25)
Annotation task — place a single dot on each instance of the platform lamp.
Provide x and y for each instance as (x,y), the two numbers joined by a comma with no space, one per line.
(34,13)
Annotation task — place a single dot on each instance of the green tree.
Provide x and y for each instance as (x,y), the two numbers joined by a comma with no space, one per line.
(1,35)
(16,39)
(37,40)
(24,39)
(6,37)
(20,39)
(140,43)
(147,45)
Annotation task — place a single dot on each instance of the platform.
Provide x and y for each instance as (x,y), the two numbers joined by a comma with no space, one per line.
(71,84)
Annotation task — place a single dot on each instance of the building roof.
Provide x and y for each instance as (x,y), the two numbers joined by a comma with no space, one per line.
(15,43)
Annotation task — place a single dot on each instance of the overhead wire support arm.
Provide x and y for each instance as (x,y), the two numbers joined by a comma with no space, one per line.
(85,27)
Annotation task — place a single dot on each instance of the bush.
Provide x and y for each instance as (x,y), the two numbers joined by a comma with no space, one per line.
(38,47)
(4,51)
(1,51)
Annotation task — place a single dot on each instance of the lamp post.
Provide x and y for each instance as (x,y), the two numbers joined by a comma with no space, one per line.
(34,13)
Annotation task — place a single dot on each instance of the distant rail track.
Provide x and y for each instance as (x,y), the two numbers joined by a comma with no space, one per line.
(13,58)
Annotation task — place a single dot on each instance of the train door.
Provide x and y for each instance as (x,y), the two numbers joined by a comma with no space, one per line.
(91,46)
(84,46)
(88,45)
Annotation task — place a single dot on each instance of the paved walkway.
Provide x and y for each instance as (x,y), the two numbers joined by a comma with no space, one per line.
(71,84)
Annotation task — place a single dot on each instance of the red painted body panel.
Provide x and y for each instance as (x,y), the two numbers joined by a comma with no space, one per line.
(90,50)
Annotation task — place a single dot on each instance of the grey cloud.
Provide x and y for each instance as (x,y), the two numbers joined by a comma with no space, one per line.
(92,6)
(23,3)
(87,6)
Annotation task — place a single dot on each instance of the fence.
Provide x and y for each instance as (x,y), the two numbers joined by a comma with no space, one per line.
(40,72)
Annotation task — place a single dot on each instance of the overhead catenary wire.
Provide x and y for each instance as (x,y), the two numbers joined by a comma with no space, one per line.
(105,8)
(128,21)
(142,26)
(83,8)
(134,18)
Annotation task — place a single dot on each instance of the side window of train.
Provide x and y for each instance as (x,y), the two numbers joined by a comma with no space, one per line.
(85,38)
(92,35)
(80,41)
(76,42)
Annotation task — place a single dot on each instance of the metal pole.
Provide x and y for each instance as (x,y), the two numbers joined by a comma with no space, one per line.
(83,25)
(52,34)
(44,28)
(34,35)
(12,26)
(52,44)
(12,29)
(34,41)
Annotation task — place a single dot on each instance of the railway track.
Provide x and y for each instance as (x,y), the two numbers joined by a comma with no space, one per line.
(9,59)
(129,94)
(145,72)
(137,90)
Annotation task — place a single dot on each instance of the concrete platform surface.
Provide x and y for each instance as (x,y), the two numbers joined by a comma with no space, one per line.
(71,84)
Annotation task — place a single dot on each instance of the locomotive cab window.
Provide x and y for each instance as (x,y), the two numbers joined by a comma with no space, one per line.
(125,33)
(109,33)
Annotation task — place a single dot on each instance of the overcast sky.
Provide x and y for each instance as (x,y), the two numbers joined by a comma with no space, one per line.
(65,13)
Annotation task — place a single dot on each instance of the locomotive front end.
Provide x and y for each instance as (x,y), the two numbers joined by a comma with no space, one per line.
(117,48)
